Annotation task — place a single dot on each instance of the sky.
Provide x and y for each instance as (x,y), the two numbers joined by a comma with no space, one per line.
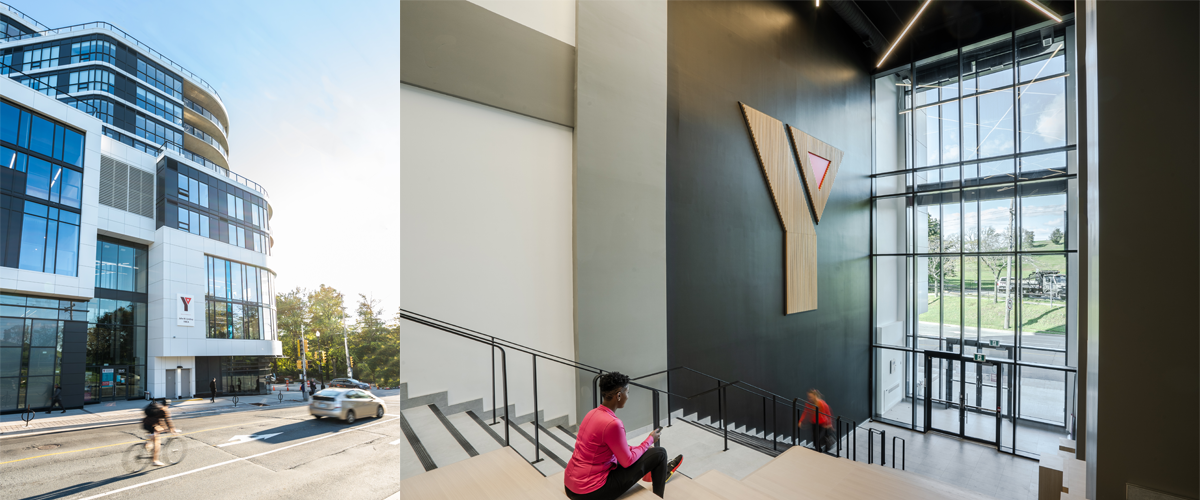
(313,95)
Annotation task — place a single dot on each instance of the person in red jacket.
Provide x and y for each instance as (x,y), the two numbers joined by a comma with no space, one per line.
(603,465)
(823,431)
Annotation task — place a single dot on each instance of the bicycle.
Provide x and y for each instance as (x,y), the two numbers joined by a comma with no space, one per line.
(172,450)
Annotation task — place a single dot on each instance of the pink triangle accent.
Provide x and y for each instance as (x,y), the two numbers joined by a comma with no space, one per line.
(820,167)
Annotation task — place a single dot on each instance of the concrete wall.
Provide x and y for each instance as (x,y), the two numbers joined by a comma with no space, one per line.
(621,195)
(1142,377)
(485,219)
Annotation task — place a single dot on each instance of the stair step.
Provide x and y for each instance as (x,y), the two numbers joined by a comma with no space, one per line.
(410,463)
(437,440)
(729,488)
(551,441)
(475,434)
(524,445)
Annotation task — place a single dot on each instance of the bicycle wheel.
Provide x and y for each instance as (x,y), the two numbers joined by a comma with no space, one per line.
(136,458)
(174,450)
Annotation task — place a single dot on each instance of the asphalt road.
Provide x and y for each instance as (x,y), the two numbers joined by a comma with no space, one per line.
(307,457)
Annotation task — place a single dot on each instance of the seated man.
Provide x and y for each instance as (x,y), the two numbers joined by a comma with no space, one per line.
(603,465)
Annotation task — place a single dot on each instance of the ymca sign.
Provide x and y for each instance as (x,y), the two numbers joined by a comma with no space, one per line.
(185,310)
(818,167)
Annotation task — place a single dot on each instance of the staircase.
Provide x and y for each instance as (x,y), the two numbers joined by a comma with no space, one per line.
(456,451)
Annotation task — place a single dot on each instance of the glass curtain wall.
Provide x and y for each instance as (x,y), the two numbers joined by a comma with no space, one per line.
(31,341)
(973,234)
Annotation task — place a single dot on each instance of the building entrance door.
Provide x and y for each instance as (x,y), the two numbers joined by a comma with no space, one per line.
(169,389)
(963,404)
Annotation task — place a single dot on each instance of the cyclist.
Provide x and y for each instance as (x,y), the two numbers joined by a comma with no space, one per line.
(158,420)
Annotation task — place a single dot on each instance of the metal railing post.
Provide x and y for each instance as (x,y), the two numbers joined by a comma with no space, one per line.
(764,426)
(795,418)
(656,416)
(504,382)
(668,398)
(537,444)
(883,448)
(595,384)
(774,425)
(837,434)
(903,450)
(855,431)
(493,380)
(723,393)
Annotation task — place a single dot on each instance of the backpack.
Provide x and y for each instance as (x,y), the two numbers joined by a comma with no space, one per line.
(152,410)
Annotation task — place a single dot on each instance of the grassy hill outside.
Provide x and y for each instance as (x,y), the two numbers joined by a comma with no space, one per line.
(1039,315)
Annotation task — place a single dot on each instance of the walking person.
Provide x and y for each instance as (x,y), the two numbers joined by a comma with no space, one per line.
(603,465)
(823,432)
(56,399)
(212,388)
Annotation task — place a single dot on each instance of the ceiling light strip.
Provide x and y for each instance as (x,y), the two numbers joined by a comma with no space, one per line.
(1038,6)
(902,33)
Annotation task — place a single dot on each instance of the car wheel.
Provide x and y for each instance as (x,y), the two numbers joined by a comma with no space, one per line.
(379,411)
(318,417)
(350,417)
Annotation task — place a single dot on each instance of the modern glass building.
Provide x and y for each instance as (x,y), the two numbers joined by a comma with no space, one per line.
(134,260)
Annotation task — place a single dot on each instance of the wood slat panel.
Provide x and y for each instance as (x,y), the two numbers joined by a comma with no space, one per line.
(775,156)
(804,144)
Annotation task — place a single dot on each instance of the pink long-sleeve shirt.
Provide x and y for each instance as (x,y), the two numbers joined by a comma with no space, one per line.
(600,445)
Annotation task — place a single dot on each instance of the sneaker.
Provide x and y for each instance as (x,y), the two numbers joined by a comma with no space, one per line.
(160,464)
(673,465)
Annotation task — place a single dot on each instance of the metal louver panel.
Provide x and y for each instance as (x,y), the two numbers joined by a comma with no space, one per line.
(125,187)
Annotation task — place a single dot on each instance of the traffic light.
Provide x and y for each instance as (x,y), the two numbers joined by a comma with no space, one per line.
(351,361)
(298,365)
(304,343)
(322,357)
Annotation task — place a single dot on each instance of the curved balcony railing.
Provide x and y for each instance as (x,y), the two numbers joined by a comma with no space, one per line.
(221,171)
(128,39)
(208,139)
(23,17)
(205,113)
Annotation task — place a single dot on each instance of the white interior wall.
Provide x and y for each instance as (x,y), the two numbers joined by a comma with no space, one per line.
(486,224)
(552,17)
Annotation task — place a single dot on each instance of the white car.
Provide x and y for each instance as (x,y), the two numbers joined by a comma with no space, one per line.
(346,404)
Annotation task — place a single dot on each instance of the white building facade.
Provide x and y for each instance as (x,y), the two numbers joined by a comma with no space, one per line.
(133,260)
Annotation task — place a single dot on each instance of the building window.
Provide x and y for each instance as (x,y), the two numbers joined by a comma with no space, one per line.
(121,266)
(46,57)
(161,80)
(97,108)
(44,84)
(27,130)
(199,134)
(156,132)
(239,302)
(91,79)
(193,222)
(93,50)
(193,191)
(31,339)
(151,102)
(49,240)
(116,349)
(974,200)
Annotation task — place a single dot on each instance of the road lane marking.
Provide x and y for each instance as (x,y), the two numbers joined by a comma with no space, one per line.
(396,441)
(139,485)
(246,439)
(119,444)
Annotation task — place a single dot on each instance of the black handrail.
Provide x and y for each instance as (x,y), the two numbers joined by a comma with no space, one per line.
(903,450)
(871,431)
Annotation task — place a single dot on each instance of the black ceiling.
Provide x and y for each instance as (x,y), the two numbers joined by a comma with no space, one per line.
(945,23)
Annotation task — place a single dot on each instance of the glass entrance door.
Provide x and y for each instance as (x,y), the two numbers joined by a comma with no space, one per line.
(964,396)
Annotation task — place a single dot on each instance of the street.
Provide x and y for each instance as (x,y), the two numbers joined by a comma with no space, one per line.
(302,456)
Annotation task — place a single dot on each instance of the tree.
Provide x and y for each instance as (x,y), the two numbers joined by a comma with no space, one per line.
(1056,237)
(1027,238)
(290,311)
(940,268)
(990,240)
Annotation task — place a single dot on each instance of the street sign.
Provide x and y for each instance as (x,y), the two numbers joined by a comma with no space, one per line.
(993,343)
(980,357)
(247,439)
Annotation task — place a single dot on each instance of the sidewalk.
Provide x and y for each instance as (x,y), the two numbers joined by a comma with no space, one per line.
(113,412)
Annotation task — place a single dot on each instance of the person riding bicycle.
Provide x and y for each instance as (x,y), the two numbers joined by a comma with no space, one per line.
(158,420)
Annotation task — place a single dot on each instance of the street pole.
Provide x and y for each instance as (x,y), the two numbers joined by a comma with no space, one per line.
(303,365)
(346,347)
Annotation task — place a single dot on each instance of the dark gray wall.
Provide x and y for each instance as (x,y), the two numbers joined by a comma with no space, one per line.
(1142,375)
(73,363)
(725,262)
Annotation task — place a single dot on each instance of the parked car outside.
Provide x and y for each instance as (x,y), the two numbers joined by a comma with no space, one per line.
(349,383)
(346,404)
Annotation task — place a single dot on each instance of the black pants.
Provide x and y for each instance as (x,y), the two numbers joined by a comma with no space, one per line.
(823,439)
(620,479)
(213,397)
(56,402)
